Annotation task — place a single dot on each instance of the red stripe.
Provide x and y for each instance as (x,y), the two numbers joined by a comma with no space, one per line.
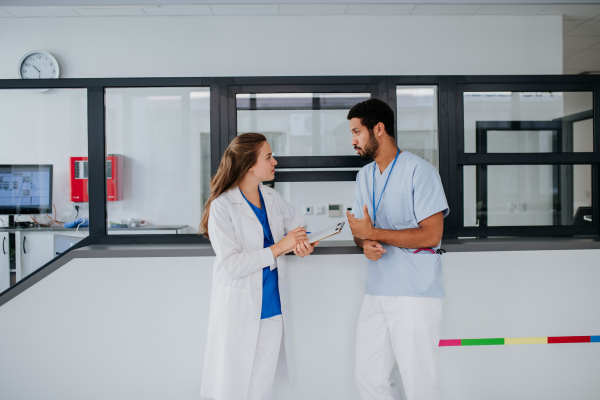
(569,339)
(425,249)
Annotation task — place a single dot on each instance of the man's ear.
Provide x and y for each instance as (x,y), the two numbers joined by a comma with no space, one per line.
(380,128)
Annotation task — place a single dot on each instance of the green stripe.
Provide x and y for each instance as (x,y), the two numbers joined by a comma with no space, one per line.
(481,342)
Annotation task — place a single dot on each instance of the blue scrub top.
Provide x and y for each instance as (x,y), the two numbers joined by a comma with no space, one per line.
(271,304)
(414,192)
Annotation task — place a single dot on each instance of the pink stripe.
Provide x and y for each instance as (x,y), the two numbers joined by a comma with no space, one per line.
(450,342)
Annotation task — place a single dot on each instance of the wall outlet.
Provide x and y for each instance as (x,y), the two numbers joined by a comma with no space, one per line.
(320,210)
(308,210)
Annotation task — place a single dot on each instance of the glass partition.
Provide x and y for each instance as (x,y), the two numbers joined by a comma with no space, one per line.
(300,124)
(527,195)
(314,200)
(417,121)
(528,122)
(42,132)
(158,159)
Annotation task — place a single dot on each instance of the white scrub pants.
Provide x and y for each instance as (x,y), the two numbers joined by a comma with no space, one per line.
(265,358)
(398,329)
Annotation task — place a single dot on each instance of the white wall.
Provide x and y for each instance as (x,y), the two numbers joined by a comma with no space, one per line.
(287,45)
(135,328)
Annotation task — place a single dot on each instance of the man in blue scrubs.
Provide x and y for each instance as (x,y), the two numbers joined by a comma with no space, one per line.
(399,210)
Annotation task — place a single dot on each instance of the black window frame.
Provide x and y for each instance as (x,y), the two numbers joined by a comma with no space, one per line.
(460,158)
(442,83)
(450,136)
(377,86)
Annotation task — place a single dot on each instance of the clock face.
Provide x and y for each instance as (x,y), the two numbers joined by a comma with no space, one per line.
(38,65)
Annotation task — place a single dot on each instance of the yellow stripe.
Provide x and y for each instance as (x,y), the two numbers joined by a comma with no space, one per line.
(526,340)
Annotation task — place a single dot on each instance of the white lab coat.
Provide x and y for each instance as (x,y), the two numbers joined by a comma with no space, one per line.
(236,236)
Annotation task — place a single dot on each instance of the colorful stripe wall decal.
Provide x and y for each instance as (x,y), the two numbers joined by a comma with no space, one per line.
(524,340)
(570,339)
(450,342)
(481,342)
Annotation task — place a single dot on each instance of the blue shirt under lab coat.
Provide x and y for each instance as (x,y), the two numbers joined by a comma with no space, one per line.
(271,304)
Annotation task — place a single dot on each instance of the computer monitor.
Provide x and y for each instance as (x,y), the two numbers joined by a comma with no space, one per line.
(583,216)
(25,189)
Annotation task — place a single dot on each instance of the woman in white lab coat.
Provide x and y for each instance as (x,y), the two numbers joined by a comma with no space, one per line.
(248,328)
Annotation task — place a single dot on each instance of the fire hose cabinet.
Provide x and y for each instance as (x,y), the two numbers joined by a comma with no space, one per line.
(80,178)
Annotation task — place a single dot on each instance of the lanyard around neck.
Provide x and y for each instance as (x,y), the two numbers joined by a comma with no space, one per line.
(375,208)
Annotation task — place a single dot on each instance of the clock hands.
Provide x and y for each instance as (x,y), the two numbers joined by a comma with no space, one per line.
(39,73)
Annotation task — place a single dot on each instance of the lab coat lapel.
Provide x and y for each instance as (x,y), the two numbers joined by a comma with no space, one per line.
(271,215)
(270,211)
(235,196)
(253,236)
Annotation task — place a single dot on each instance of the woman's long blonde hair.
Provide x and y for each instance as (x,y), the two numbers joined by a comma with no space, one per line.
(240,156)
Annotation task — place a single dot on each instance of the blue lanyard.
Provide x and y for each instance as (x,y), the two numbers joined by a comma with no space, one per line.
(262,203)
(381,196)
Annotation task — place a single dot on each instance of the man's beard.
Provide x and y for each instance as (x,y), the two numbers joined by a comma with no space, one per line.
(370,148)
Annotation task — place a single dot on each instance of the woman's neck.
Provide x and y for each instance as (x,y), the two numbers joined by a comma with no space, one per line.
(249,188)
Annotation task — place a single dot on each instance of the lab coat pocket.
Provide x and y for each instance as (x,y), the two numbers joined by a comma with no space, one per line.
(399,209)
(424,274)
(230,304)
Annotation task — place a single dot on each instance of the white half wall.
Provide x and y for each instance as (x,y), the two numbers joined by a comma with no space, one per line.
(135,328)
(287,45)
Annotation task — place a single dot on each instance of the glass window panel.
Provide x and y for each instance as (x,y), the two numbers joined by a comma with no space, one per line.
(527,195)
(320,194)
(38,129)
(528,122)
(158,145)
(417,121)
(300,124)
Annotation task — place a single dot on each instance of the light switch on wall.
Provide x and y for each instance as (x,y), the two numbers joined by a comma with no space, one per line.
(320,210)
(308,210)
(334,210)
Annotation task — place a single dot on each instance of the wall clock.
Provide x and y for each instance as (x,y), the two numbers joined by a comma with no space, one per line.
(38,64)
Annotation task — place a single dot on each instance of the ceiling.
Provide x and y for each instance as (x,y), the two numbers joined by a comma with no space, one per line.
(581,22)
(188,2)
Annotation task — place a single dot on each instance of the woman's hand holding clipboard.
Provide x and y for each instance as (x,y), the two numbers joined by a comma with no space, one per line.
(291,240)
(317,236)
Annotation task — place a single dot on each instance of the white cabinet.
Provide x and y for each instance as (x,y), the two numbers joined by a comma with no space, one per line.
(4,261)
(33,249)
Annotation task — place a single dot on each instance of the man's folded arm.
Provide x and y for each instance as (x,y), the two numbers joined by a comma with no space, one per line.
(428,234)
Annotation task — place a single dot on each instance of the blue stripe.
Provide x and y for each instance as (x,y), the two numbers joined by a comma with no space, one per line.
(594,338)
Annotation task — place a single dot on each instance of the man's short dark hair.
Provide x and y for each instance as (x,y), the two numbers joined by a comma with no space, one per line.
(373,111)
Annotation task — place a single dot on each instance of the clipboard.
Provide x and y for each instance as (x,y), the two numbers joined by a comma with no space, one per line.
(322,234)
